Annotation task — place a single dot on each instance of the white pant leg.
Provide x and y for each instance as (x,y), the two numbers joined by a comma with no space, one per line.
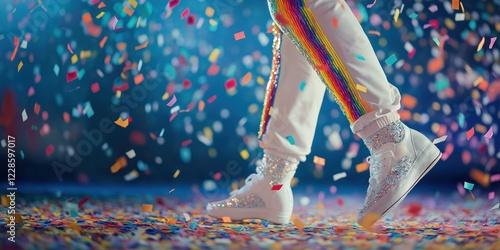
(295,112)
(348,40)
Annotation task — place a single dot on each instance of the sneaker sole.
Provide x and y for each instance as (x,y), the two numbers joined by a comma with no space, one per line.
(429,152)
(274,217)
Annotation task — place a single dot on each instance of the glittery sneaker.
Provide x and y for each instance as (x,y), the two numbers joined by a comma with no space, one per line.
(266,195)
(400,157)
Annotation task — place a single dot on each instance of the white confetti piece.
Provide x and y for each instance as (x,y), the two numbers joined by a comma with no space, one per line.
(132,175)
(186,216)
(459,17)
(24,115)
(131,154)
(497,206)
(339,176)
(440,139)
(24,44)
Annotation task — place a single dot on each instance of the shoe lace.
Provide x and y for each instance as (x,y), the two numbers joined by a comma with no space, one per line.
(248,182)
(377,163)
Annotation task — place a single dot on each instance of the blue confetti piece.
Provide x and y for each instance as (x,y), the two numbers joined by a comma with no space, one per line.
(360,57)
(468,186)
(80,74)
(142,166)
(73,209)
(56,69)
(265,223)
(162,131)
(391,60)
(302,86)
(59,99)
(185,154)
(22,154)
(34,127)
(461,120)
(413,15)
(442,84)
(290,139)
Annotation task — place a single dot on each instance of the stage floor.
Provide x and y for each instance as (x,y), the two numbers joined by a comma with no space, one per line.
(101,218)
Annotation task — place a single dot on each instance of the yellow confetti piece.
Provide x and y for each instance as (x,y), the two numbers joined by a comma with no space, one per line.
(374,32)
(260,80)
(142,46)
(226,219)
(480,46)
(177,172)
(396,15)
(19,66)
(214,55)
(244,154)
(361,88)
(165,96)
(171,220)
(208,133)
(121,123)
(146,208)
(74,59)
(212,22)
(100,15)
(209,11)
(299,224)
(138,22)
(133,3)
(462,7)
(361,167)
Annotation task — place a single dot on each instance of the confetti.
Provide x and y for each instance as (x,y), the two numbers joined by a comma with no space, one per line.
(19,66)
(362,167)
(396,15)
(302,86)
(374,32)
(372,4)
(122,123)
(240,35)
(142,46)
(24,115)
(147,208)
(49,150)
(440,139)
(339,176)
(319,161)
(130,154)
(244,154)
(492,42)
(277,187)
(226,219)
(71,76)
(391,60)
(360,57)
(468,186)
(480,177)
(489,134)
(480,45)
(459,17)
(131,176)
(470,133)
(177,172)
(497,206)
(491,195)
(172,101)
(455,4)
(291,140)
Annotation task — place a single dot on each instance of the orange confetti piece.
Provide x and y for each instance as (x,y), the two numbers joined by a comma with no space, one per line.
(138,79)
(213,70)
(480,177)
(298,223)
(226,219)
(19,66)
(103,41)
(362,167)
(246,78)
(435,65)
(122,123)
(408,101)
(470,133)
(146,208)
(37,108)
(172,220)
(101,5)
(455,4)
(142,46)
(201,106)
(13,54)
(129,12)
(87,18)
(374,32)
(121,46)
(405,115)
(93,30)
(318,160)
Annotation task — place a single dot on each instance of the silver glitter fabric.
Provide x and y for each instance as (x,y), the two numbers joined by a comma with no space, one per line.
(276,168)
(248,201)
(397,172)
(394,132)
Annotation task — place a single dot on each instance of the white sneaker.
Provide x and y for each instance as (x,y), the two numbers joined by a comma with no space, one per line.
(256,199)
(400,158)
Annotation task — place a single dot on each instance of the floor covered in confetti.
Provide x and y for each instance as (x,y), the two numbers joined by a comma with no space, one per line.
(135,218)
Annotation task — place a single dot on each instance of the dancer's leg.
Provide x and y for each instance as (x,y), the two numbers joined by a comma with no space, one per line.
(287,129)
(400,156)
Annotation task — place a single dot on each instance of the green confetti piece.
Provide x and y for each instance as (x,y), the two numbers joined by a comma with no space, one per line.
(302,86)
(391,60)
(461,120)
(442,84)
(413,15)
(436,41)
(468,186)
(360,57)
(22,154)
(290,139)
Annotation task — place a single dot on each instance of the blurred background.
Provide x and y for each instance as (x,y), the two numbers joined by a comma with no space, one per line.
(141,92)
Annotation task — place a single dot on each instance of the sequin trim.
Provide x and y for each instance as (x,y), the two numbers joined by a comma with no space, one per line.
(298,23)
(249,201)
(392,179)
(272,84)
(394,132)
(276,168)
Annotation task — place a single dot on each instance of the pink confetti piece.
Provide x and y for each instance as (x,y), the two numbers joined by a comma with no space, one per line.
(70,50)
(71,76)
(49,150)
(185,13)
(191,19)
(470,133)
(495,178)
(240,35)
(433,8)
(173,116)
(31,91)
(489,134)
(371,5)
(212,99)
(277,187)
(461,189)
(113,22)
(186,142)
(491,195)
(492,41)
(95,87)
(172,101)
(173,3)
(230,84)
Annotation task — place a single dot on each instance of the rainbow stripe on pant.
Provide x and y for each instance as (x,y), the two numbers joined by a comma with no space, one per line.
(298,23)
